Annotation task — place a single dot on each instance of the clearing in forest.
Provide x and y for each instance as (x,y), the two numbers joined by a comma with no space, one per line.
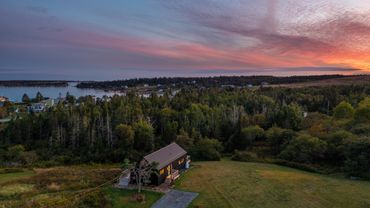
(238,184)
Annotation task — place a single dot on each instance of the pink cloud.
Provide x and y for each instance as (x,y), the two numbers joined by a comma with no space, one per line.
(339,41)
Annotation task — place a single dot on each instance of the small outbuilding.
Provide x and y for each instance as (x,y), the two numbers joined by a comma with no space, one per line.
(170,160)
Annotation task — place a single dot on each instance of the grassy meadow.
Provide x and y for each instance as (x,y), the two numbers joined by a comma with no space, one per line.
(70,186)
(56,187)
(220,184)
(237,184)
(6,176)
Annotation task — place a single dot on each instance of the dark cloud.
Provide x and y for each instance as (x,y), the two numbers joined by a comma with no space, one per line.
(38,9)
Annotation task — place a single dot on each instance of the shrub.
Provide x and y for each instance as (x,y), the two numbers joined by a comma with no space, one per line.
(343,110)
(278,138)
(357,155)
(288,116)
(242,156)
(335,144)
(93,199)
(246,137)
(300,166)
(29,158)
(362,114)
(361,129)
(207,149)
(304,148)
(11,170)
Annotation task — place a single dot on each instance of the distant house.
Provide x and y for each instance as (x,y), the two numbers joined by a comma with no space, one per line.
(230,86)
(41,106)
(264,84)
(174,92)
(171,160)
(160,93)
(37,107)
(146,95)
(48,102)
(3,100)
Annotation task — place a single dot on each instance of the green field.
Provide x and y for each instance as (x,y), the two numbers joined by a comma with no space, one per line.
(220,184)
(6,177)
(237,184)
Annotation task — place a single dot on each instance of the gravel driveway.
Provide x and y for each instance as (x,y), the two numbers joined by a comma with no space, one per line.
(175,199)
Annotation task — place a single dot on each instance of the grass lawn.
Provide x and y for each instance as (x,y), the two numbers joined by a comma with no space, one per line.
(122,198)
(6,177)
(238,184)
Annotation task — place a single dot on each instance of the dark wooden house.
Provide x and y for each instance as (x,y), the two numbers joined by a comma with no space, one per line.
(170,160)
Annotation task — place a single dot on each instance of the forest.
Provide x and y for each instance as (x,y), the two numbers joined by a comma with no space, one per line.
(321,129)
(33,83)
(205,81)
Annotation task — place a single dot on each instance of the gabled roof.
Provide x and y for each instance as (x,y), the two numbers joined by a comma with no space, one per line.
(165,155)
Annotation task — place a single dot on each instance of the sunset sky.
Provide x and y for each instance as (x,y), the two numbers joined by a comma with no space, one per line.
(116,39)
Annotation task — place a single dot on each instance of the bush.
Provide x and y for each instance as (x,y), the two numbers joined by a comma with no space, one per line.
(362,114)
(93,199)
(29,158)
(304,148)
(64,160)
(242,156)
(47,164)
(143,136)
(247,157)
(343,110)
(278,138)
(207,149)
(11,170)
(357,155)
(335,144)
(361,129)
(14,153)
(299,166)
(288,116)
(246,137)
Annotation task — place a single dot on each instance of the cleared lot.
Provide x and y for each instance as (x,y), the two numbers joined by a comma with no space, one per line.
(237,184)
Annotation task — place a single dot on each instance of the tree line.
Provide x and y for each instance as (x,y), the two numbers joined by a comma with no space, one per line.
(326,127)
(203,81)
(34,83)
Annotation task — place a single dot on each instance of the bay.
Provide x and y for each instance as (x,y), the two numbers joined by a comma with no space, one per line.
(15,93)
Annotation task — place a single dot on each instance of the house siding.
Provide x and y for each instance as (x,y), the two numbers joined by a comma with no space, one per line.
(160,178)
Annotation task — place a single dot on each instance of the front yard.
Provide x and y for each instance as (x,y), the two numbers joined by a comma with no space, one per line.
(238,184)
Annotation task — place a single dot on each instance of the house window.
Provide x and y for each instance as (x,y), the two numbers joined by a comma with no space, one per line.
(180,161)
(161,171)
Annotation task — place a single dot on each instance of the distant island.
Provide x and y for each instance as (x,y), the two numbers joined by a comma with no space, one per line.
(34,83)
(231,81)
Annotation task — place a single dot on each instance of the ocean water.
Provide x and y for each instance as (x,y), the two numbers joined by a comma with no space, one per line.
(15,93)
